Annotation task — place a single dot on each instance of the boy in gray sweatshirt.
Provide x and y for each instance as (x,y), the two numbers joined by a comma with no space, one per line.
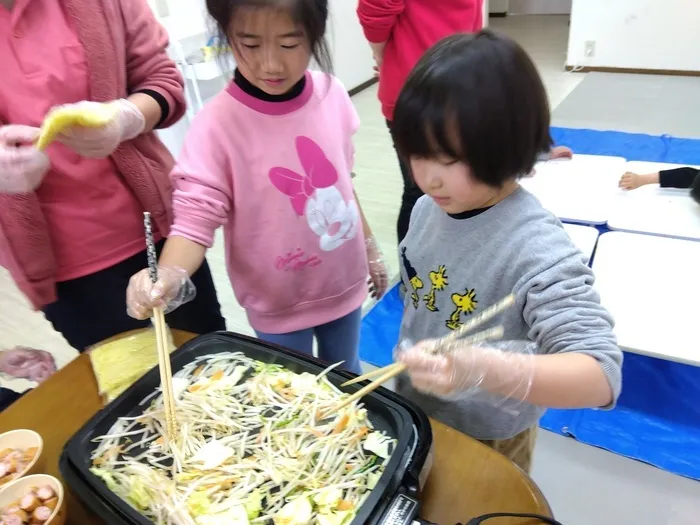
(472,117)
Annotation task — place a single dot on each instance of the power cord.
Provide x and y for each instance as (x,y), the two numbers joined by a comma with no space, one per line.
(482,519)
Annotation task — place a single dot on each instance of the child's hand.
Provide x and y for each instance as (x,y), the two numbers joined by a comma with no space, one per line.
(505,368)
(100,142)
(173,289)
(631,181)
(561,152)
(379,277)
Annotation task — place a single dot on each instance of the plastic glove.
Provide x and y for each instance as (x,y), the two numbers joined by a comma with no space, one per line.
(99,142)
(378,275)
(27,363)
(456,369)
(173,289)
(22,166)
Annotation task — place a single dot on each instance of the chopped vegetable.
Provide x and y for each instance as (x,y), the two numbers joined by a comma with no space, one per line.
(297,512)
(250,449)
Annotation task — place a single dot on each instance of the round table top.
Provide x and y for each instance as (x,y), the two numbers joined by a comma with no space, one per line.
(467,478)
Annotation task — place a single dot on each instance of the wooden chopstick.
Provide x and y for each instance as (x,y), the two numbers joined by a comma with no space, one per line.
(166,374)
(479,319)
(395,369)
(444,344)
(476,321)
(389,372)
(369,375)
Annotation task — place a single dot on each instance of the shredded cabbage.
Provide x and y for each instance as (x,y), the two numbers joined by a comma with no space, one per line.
(251,447)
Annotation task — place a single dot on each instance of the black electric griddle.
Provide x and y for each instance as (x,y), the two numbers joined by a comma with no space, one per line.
(392,501)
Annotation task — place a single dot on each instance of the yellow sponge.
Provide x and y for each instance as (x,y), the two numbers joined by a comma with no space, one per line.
(63,117)
(120,363)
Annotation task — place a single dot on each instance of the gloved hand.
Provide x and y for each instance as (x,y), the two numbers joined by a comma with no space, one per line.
(379,277)
(456,369)
(100,142)
(22,166)
(173,289)
(27,363)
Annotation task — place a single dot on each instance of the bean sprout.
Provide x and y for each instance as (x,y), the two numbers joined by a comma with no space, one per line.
(250,449)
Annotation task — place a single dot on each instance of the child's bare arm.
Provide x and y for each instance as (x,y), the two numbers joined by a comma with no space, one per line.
(632,181)
(179,252)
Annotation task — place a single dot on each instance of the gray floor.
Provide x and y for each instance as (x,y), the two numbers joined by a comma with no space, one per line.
(650,104)
(584,485)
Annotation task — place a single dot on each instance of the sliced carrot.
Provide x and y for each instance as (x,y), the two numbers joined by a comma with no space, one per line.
(160,441)
(341,424)
(216,376)
(194,388)
(316,433)
(198,370)
(344,504)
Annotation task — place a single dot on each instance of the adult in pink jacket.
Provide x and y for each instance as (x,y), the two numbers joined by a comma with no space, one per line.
(71,217)
(399,32)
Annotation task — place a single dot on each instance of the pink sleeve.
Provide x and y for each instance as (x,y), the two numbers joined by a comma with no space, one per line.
(378,18)
(202,182)
(147,62)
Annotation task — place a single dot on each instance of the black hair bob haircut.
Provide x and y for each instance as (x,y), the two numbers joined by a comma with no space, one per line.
(475,98)
(311,15)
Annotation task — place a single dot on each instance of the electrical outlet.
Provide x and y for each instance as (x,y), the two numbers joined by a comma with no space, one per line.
(589,48)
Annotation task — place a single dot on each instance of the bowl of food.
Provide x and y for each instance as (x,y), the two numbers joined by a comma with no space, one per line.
(35,500)
(20,454)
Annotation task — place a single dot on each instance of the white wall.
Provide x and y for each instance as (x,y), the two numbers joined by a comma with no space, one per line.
(539,7)
(352,57)
(498,6)
(637,34)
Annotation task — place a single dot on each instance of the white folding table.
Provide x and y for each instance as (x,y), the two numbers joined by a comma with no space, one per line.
(583,237)
(654,210)
(651,286)
(579,190)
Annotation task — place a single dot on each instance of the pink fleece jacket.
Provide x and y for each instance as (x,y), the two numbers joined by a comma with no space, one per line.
(276,175)
(125,50)
(410,28)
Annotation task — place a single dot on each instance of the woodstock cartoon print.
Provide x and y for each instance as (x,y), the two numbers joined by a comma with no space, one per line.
(314,195)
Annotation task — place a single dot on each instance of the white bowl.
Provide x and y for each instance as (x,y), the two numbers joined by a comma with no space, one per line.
(23,439)
(11,493)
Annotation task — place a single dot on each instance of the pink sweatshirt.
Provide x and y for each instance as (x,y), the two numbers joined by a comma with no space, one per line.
(57,51)
(277,176)
(410,28)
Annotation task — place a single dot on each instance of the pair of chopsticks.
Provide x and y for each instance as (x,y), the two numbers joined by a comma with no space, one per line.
(166,374)
(442,346)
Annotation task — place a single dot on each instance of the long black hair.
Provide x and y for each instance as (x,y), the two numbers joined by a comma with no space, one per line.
(477,99)
(312,15)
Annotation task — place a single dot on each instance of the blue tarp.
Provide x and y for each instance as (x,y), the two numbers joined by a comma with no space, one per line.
(657,419)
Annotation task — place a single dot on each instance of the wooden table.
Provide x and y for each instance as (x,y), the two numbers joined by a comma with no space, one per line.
(467,478)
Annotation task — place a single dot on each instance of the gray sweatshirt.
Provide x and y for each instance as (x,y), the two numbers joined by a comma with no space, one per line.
(455,267)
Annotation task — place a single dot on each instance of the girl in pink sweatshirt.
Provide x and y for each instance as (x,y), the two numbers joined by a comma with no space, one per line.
(270,160)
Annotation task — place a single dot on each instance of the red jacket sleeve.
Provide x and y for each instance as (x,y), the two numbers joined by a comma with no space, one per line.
(378,18)
(148,65)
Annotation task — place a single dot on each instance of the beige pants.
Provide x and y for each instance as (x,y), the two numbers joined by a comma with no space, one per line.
(518,449)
